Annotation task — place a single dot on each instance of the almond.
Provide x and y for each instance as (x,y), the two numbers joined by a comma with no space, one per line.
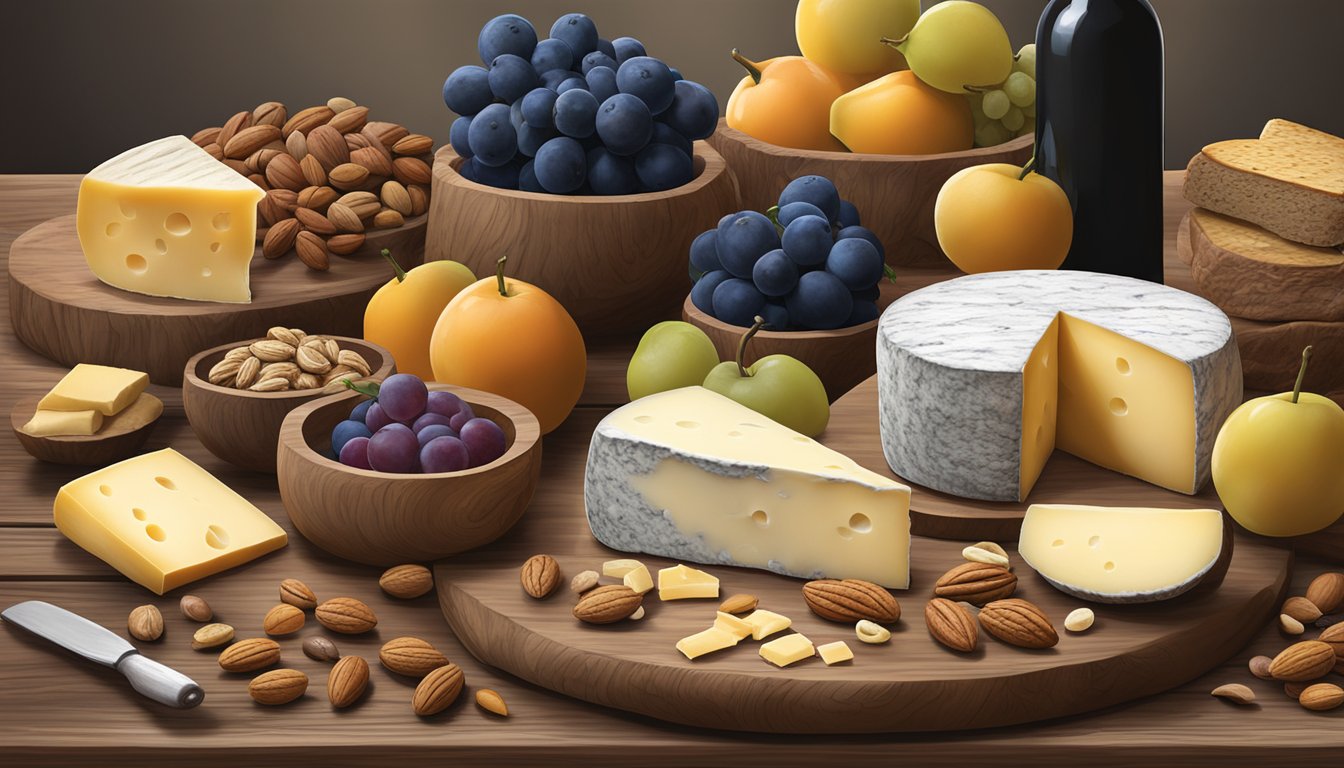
(491,701)
(211,636)
(346,615)
(1306,660)
(739,604)
(375,160)
(283,619)
(388,219)
(319,648)
(979,554)
(410,170)
(195,608)
(313,172)
(419,199)
(280,238)
(205,137)
(1302,609)
(247,373)
(333,352)
(394,196)
(976,583)
(256,178)
(406,581)
(1326,592)
(413,144)
(344,245)
(1019,623)
(315,222)
(284,201)
(306,120)
(346,682)
(1321,697)
(540,575)
(307,381)
(607,605)
(438,690)
(344,219)
(249,140)
(237,166)
(270,113)
(583,582)
(311,361)
(1234,692)
(145,623)
(1290,626)
(249,655)
(339,104)
(257,161)
(279,686)
(347,176)
(850,600)
(410,656)
(350,120)
(951,624)
(1333,636)
(328,146)
(272,384)
(271,351)
(215,151)
(317,198)
(364,204)
(224,372)
(232,126)
(296,144)
(354,361)
(289,372)
(295,592)
(355,141)
(387,134)
(1259,666)
(284,171)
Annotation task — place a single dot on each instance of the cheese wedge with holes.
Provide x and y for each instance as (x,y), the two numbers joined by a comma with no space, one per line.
(692,475)
(163,521)
(167,219)
(982,378)
(1121,554)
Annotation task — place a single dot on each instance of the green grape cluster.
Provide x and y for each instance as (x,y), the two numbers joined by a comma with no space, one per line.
(1010,109)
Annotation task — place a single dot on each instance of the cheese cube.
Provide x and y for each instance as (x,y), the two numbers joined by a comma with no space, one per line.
(706,641)
(163,521)
(680,583)
(618,568)
(766,623)
(55,423)
(789,649)
(167,219)
(638,579)
(835,653)
(734,626)
(101,388)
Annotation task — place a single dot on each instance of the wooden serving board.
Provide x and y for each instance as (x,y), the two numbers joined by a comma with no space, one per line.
(64,313)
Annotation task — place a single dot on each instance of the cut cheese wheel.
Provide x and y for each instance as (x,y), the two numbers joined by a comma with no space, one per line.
(1121,554)
(1253,273)
(981,378)
(692,475)
(167,219)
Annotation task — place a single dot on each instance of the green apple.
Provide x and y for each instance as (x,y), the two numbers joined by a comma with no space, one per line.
(671,355)
(1278,462)
(779,387)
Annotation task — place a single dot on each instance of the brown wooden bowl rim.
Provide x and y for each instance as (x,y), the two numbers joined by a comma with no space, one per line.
(526,435)
(764,147)
(190,377)
(25,407)
(445,167)
(695,316)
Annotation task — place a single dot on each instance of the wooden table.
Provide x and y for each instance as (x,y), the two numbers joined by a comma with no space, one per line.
(55,710)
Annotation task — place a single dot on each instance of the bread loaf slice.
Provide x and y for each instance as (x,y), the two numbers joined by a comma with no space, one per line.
(1289,181)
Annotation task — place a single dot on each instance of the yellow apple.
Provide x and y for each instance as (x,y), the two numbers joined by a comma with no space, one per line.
(1278,462)
(844,35)
(991,218)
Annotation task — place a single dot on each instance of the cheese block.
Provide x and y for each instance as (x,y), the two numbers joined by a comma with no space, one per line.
(787,650)
(167,219)
(54,423)
(693,475)
(981,378)
(765,623)
(1289,181)
(835,653)
(101,388)
(163,521)
(1121,554)
(1252,273)
(683,583)
(706,641)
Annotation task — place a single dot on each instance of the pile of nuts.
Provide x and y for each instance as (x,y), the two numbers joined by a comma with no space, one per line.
(329,173)
(289,359)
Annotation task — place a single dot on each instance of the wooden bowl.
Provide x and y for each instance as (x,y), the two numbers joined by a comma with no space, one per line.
(894,193)
(616,263)
(121,437)
(243,427)
(382,518)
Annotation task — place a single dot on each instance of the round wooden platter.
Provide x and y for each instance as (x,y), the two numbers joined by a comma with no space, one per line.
(64,313)
(121,437)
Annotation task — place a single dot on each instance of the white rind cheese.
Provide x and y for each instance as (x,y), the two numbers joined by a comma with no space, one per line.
(981,378)
(1121,554)
(692,475)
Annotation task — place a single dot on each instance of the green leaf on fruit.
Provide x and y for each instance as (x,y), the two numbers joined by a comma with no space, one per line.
(368,389)
(889,273)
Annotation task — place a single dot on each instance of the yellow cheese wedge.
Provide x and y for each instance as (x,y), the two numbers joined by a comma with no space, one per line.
(57,423)
(167,219)
(734,626)
(638,579)
(163,521)
(706,641)
(835,653)
(766,623)
(618,568)
(681,582)
(789,649)
(101,388)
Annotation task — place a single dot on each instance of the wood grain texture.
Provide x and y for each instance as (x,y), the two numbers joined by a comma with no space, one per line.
(62,312)
(386,519)
(120,437)
(243,427)
(894,194)
(618,264)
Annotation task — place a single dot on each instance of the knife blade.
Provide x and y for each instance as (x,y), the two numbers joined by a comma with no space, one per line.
(97,644)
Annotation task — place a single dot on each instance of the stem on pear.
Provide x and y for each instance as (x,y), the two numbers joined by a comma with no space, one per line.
(1301,373)
(1029,167)
(894,43)
(752,67)
(499,276)
(401,273)
(757,322)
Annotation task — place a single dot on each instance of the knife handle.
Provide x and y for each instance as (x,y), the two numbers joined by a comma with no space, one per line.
(160,683)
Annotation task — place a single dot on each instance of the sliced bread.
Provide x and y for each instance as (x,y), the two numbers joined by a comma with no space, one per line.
(1289,181)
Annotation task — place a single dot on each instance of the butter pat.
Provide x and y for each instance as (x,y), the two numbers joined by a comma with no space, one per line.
(95,387)
(167,219)
(835,653)
(1121,554)
(680,583)
(706,641)
(638,579)
(58,423)
(766,623)
(789,649)
(163,521)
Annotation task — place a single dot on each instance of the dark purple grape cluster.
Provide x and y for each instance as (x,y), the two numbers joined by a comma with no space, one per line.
(574,114)
(411,430)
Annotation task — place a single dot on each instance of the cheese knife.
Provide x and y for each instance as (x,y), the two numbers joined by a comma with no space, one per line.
(81,636)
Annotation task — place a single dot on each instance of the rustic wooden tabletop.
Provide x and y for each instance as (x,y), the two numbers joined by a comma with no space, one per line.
(57,710)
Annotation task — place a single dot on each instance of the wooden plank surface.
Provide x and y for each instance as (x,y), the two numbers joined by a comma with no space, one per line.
(57,711)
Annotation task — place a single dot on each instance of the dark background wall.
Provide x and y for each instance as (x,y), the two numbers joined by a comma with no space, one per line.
(81,80)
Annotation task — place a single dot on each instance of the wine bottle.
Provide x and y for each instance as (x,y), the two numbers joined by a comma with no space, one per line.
(1099,130)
